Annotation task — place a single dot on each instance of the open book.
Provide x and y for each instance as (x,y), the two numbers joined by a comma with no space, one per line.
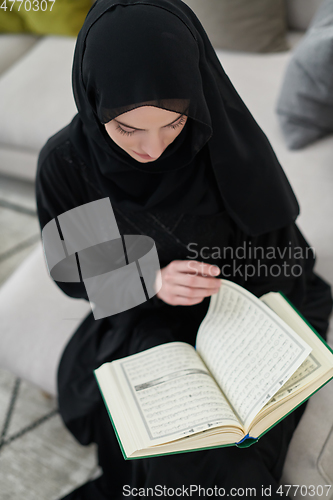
(255,361)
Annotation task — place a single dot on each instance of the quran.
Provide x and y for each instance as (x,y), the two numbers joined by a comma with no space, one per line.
(254,362)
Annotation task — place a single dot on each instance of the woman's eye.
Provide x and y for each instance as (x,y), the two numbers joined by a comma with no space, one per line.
(124,132)
(178,124)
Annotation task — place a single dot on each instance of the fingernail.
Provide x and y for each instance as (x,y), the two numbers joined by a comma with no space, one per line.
(216,271)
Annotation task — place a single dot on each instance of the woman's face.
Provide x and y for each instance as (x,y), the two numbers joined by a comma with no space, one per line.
(145,132)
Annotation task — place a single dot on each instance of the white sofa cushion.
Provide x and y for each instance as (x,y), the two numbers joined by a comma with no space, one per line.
(37,320)
(325,462)
(36,95)
(14,46)
(17,163)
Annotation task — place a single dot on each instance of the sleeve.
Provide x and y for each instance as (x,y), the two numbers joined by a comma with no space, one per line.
(60,186)
(283,261)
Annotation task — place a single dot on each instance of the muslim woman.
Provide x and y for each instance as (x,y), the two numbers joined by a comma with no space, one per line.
(162,133)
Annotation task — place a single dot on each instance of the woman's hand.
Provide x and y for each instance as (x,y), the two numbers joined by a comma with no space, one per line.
(188,282)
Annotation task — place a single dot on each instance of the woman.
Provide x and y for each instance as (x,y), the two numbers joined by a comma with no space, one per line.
(161,131)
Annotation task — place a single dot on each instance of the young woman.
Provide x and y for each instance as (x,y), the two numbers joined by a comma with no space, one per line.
(161,131)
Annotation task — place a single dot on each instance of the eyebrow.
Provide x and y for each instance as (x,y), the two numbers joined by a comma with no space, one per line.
(135,128)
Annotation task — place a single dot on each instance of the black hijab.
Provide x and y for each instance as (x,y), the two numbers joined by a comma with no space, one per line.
(133,53)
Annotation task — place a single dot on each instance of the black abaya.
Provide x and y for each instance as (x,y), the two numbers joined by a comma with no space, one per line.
(155,322)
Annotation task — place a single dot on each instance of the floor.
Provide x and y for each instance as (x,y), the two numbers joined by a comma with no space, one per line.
(39,459)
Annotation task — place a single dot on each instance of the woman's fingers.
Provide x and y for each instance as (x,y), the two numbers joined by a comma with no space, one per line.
(199,282)
(188,282)
(185,291)
(194,267)
(196,276)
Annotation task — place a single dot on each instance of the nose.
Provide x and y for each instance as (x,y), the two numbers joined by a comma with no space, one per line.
(153,145)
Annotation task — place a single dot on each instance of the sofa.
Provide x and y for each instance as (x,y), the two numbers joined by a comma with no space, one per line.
(38,319)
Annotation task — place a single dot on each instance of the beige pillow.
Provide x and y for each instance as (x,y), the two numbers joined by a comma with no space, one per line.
(243,25)
(301,12)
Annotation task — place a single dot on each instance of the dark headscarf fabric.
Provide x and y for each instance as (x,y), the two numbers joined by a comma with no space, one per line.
(132,53)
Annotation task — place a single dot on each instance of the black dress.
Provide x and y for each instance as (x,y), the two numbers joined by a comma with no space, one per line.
(64,182)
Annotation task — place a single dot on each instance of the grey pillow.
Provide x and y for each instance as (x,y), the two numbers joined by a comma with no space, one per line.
(243,25)
(305,104)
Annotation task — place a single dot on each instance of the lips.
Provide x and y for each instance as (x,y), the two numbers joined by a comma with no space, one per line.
(145,157)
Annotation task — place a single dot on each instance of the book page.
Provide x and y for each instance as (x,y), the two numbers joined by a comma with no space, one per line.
(315,365)
(297,380)
(249,350)
(174,392)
